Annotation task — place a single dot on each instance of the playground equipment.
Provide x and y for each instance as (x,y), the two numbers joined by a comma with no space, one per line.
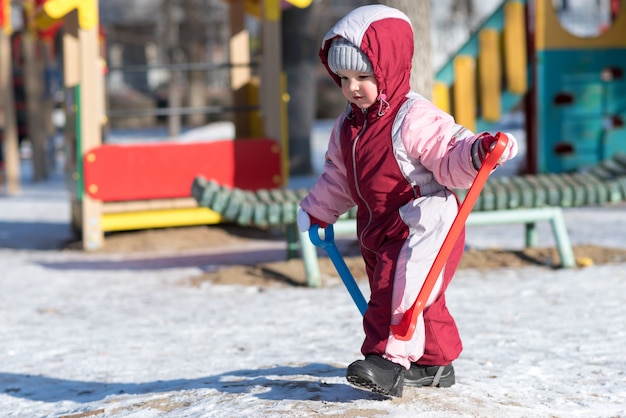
(580,92)
(573,87)
(147,185)
(478,98)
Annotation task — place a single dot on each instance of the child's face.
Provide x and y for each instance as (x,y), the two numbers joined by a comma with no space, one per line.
(359,88)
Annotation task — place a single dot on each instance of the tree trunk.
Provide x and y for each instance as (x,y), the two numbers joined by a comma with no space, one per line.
(35,106)
(193,40)
(8,122)
(174,55)
(300,61)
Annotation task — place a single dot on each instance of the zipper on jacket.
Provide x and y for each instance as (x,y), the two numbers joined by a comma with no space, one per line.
(356,184)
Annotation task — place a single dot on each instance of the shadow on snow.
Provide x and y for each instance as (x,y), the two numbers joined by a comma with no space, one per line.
(302,383)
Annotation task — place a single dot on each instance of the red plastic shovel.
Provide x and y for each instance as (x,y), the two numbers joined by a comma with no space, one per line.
(405,329)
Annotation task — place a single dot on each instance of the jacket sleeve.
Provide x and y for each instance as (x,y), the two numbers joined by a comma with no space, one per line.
(330,196)
(440,144)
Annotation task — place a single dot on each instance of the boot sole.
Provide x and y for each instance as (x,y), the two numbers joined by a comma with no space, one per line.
(368,382)
(368,385)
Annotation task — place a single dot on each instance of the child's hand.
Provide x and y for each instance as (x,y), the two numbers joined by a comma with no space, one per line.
(485,143)
(305,221)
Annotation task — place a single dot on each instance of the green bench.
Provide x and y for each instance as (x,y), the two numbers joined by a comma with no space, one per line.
(524,199)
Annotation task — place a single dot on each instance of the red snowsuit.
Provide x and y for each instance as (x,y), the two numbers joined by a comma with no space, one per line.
(396,161)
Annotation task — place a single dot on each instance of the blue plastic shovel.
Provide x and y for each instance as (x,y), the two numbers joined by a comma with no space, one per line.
(328,244)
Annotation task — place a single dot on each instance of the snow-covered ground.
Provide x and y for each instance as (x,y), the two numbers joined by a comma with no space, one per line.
(128,336)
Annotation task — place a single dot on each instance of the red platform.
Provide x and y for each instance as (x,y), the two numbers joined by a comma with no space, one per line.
(166,170)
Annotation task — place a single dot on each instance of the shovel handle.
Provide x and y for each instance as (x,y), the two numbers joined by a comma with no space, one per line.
(406,327)
(328,244)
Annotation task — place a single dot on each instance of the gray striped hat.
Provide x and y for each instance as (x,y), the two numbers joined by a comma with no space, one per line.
(343,55)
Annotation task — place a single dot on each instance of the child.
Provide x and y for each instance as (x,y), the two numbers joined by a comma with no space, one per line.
(395,155)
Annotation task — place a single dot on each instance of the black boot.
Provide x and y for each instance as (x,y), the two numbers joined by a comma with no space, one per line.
(378,375)
(439,376)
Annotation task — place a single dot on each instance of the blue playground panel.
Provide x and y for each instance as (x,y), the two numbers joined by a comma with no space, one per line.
(581,107)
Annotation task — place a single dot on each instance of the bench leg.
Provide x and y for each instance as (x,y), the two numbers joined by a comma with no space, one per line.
(309,257)
(531,234)
(299,242)
(293,241)
(563,243)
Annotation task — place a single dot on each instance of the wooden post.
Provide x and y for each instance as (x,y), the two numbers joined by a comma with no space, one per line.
(83,76)
(91,117)
(7,108)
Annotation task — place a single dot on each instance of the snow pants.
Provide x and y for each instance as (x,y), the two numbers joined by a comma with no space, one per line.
(396,272)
